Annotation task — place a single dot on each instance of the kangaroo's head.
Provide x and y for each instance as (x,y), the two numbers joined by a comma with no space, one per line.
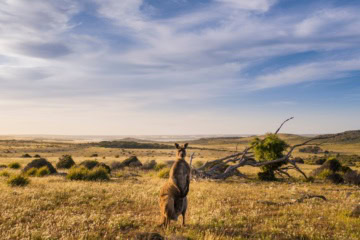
(181,151)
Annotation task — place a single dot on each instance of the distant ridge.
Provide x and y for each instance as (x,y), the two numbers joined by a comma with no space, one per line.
(352,136)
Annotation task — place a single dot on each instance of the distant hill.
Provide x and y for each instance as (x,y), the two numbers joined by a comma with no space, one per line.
(352,136)
(133,145)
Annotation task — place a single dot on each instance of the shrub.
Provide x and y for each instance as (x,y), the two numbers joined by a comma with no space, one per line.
(320,161)
(82,173)
(18,181)
(14,165)
(345,169)
(335,178)
(160,166)
(31,172)
(299,160)
(117,165)
(132,161)
(149,165)
(89,164)
(26,155)
(98,174)
(37,156)
(66,161)
(164,173)
(332,164)
(39,163)
(325,173)
(3,166)
(94,155)
(4,174)
(266,176)
(117,156)
(41,172)
(310,179)
(77,173)
(352,177)
(267,149)
(198,164)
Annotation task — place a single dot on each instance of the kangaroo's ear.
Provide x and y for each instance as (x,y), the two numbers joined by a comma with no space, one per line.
(185,145)
(177,145)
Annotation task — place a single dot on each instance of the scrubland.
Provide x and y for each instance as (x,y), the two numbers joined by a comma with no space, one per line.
(53,207)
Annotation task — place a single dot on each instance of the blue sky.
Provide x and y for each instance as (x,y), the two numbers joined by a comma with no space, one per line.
(179,66)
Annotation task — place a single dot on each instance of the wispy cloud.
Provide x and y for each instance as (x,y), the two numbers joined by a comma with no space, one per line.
(134,58)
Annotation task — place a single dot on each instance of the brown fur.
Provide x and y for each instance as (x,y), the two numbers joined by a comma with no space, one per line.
(173,201)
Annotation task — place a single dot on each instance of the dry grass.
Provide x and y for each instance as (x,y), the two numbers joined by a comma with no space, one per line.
(55,208)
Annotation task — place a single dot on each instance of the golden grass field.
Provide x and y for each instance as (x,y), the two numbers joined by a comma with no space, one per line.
(55,208)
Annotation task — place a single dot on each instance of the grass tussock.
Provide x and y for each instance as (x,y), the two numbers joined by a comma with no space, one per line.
(15,165)
(84,174)
(164,173)
(35,172)
(4,174)
(18,181)
(160,166)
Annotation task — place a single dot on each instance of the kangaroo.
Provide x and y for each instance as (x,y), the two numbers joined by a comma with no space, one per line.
(173,201)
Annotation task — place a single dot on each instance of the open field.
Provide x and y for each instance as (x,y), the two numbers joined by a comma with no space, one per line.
(55,208)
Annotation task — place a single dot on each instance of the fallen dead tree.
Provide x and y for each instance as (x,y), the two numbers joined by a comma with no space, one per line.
(210,169)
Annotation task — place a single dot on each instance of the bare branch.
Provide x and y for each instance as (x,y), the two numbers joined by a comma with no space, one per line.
(283,124)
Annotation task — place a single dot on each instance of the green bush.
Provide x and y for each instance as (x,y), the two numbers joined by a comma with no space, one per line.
(31,172)
(41,172)
(66,161)
(14,165)
(4,174)
(268,149)
(335,178)
(84,174)
(77,173)
(98,174)
(160,166)
(333,164)
(89,164)
(164,173)
(18,181)
(325,173)
(198,164)
(266,176)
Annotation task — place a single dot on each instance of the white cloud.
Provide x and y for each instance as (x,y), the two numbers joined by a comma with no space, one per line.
(258,5)
(200,55)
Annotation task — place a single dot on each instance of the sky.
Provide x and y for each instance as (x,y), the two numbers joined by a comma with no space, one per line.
(138,67)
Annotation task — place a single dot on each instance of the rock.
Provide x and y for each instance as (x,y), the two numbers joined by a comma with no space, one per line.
(39,163)
(132,161)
